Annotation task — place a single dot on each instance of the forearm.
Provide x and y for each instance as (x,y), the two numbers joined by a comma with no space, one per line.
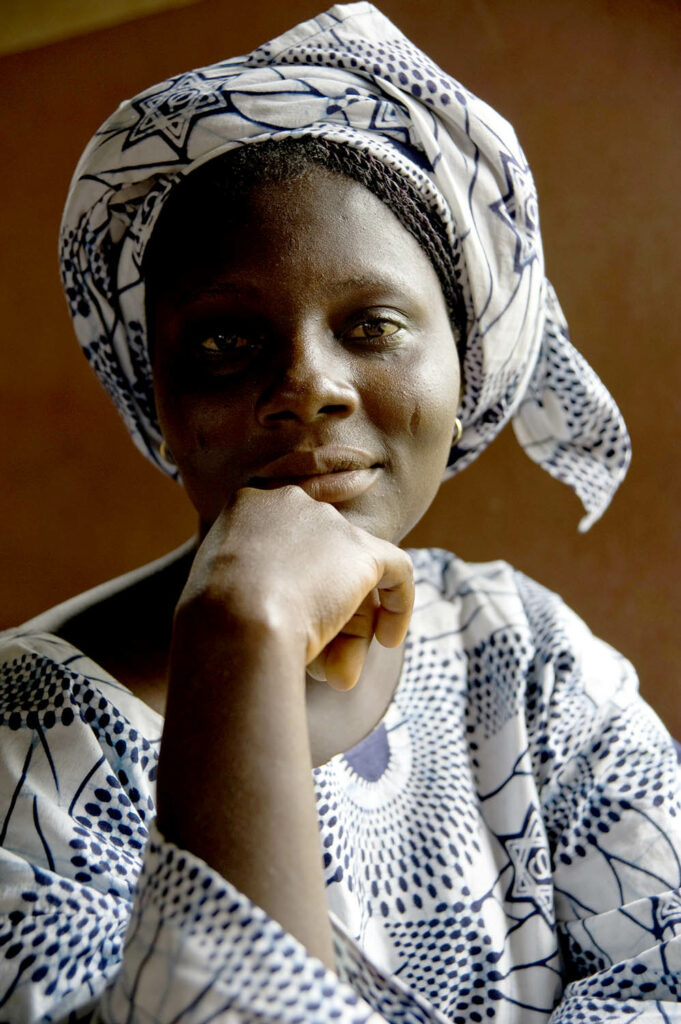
(235,772)
(235,784)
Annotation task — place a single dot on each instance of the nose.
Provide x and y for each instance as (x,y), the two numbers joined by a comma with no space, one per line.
(311,379)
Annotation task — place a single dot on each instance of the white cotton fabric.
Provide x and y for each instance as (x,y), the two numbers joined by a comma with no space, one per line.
(505,845)
(350,75)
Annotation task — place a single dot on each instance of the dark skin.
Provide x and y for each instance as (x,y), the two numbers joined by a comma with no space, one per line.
(306,380)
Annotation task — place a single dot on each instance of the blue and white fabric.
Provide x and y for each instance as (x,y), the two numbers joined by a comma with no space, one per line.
(350,75)
(504,846)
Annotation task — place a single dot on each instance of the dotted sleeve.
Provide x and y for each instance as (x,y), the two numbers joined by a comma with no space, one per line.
(198,950)
(100,918)
(608,781)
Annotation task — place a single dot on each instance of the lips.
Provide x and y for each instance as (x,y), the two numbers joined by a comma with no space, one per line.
(331,473)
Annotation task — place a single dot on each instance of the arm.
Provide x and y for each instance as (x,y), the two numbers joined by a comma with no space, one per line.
(609,784)
(250,620)
(77,787)
(247,806)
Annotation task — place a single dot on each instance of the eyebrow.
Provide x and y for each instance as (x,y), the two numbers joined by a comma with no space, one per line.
(369,281)
(181,295)
(192,292)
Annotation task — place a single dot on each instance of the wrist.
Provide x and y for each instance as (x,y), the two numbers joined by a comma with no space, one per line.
(239,626)
(235,743)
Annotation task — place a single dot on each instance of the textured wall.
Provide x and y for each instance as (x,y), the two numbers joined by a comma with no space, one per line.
(594,90)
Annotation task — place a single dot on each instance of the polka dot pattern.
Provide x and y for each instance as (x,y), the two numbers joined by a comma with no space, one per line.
(476,846)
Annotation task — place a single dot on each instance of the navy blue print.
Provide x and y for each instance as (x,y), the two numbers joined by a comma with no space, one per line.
(504,846)
(370,758)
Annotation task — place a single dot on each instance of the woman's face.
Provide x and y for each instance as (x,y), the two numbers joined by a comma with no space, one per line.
(310,344)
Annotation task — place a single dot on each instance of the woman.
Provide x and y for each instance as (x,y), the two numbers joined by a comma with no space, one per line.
(312,280)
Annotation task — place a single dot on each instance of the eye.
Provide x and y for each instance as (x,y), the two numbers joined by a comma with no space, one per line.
(374,329)
(222,344)
(226,350)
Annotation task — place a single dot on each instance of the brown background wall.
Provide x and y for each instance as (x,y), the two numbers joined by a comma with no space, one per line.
(594,90)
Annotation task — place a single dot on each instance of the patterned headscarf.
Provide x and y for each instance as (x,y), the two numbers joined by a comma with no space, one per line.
(350,75)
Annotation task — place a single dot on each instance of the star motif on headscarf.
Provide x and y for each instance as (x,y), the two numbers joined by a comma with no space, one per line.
(172,113)
(527,853)
(517,209)
(667,911)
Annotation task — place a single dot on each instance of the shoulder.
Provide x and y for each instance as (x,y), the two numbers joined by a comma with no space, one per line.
(116,633)
(530,675)
(497,593)
(138,587)
(47,681)
(501,614)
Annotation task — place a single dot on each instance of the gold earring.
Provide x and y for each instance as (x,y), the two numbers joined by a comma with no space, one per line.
(458,431)
(165,452)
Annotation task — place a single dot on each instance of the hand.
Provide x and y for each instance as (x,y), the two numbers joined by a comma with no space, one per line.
(280,560)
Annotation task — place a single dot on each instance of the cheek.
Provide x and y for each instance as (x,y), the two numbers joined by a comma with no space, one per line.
(432,429)
(423,401)
(418,405)
(192,420)
(209,443)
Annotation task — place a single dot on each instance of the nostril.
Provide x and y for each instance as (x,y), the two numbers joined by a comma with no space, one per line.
(283,414)
(334,408)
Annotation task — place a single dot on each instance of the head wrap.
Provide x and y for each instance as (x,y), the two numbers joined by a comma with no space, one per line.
(350,75)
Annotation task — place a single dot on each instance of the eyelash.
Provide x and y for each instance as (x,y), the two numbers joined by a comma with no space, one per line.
(248,347)
(376,321)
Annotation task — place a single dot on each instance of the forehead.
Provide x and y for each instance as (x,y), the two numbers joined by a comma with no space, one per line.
(320,224)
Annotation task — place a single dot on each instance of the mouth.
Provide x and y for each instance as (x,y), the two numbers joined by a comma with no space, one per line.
(330,473)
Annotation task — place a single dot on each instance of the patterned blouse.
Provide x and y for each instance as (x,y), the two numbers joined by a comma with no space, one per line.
(504,846)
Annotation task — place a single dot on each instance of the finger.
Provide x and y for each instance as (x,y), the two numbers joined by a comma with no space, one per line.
(316,667)
(396,597)
(340,663)
(344,660)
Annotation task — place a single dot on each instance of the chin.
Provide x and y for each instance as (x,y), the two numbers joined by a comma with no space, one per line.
(377,526)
